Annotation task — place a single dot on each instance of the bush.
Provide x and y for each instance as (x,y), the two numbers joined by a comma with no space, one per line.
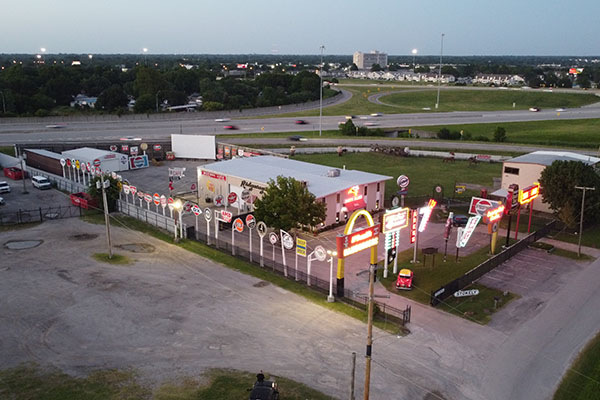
(454,135)
(500,134)
(467,136)
(42,113)
(348,129)
(444,133)
(482,138)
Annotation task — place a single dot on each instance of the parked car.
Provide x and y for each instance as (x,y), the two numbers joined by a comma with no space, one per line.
(41,182)
(405,278)
(264,390)
(4,187)
(534,109)
(460,220)
(231,127)
(1,201)
(298,138)
(300,122)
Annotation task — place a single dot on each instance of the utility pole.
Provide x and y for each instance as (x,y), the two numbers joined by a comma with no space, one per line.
(581,216)
(352,376)
(102,182)
(369,330)
(437,103)
(321,92)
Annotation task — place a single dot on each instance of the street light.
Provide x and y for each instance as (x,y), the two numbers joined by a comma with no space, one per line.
(145,51)
(332,254)
(414,53)
(321,92)
(437,103)
(157,100)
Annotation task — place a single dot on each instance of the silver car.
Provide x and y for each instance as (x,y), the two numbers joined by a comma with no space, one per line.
(4,187)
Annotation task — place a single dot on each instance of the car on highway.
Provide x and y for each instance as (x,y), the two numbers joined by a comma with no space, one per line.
(459,220)
(4,187)
(370,123)
(298,138)
(534,109)
(350,116)
(231,127)
(405,278)
(376,114)
(137,139)
(41,182)
(561,109)
(300,122)
(221,119)
(56,126)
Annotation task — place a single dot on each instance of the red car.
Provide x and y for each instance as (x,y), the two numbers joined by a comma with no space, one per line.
(300,122)
(405,278)
(231,127)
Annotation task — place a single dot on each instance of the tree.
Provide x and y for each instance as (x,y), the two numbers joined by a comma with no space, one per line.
(112,192)
(558,183)
(145,103)
(287,204)
(348,129)
(500,134)
(376,67)
(353,67)
(112,98)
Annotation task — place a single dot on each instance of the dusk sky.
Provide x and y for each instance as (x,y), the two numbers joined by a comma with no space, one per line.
(471,27)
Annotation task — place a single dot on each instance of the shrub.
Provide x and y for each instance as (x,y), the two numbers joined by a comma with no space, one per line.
(500,134)
(482,138)
(444,133)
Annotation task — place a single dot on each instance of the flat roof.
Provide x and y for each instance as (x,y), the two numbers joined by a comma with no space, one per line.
(263,168)
(88,153)
(548,157)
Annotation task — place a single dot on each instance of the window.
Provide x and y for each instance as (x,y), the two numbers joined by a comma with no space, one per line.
(365,193)
(377,205)
(511,170)
(378,183)
(338,198)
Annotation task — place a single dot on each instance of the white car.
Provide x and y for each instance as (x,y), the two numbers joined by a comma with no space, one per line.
(4,187)
(561,109)
(376,115)
(41,182)
(221,119)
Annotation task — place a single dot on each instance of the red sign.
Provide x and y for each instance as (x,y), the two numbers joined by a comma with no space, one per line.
(413,226)
(124,147)
(113,147)
(68,162)
(426,211)
(196,210)
(250,221)
(226,216)
(96,162)
(148,197)
(528,194)
(231,197)
(133,190)
(357,241)
(170,155)
(156,198)
(394,220)
(479,206)
(157,147)
(493,214)
(214,176)
(238,225)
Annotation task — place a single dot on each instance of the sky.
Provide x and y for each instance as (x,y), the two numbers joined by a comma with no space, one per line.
(470,27)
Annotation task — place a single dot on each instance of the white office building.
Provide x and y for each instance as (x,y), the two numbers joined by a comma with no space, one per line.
(367,60)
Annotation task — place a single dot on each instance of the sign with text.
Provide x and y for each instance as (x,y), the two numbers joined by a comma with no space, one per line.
(469,229)
(528,194)
(301,247)
(426,214)
(138,162)
(357,241)
(394,220)
(479,205)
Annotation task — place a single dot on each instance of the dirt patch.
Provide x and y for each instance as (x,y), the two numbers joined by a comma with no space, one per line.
(84,236)
(137,247)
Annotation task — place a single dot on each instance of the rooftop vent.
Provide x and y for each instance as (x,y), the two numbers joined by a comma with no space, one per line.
(332,173)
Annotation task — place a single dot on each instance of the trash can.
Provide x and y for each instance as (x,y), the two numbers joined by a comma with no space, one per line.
(484,193)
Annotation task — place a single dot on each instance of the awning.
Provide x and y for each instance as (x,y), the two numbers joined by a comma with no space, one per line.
(354,205)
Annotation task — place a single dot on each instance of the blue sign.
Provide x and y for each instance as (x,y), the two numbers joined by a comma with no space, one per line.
(137,162)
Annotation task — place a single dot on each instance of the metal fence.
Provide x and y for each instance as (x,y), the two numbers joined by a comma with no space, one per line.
(148,216)
(467,279)
(39,215)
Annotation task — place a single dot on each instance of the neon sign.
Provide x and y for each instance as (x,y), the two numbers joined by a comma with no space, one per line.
(354,192)
(426,211)
(413,227)
(528,194)
(494,214)
(357,241)
(395,220)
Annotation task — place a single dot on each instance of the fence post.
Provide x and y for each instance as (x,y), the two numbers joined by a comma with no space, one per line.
(41,218)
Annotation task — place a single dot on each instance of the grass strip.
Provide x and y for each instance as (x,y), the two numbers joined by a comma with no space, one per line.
(582,380)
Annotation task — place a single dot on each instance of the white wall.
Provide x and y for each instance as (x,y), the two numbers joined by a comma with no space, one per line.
(194,146)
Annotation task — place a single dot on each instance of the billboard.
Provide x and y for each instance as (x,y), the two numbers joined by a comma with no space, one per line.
(199,147)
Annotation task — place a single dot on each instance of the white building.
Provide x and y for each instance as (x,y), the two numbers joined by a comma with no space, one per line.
(525,170)
(367,60)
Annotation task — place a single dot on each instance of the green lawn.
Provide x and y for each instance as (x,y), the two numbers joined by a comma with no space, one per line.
(582,380)
(563,133)
(484,100)
(424,173)
(590,238)
(32,382)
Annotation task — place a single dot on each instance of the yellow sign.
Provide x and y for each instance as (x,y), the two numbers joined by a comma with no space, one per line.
(210,186)
(301,247)
(77,165)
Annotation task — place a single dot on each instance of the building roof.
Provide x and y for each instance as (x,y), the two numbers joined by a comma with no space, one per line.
(548,157)
(45,153)
(88,153)
(263,168)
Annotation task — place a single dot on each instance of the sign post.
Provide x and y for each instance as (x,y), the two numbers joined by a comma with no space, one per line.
(238,225)
(63,162)
(319,254)
(251,224)
(393,221)
(273,238)
(403,183)
(261,229)
(287,242)
(207,217)
(300,251)
(447,231)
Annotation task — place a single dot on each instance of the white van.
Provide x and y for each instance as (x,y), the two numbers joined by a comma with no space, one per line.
(41,182)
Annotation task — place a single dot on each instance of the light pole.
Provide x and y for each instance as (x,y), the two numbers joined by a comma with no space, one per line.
(90,56)
(3,102)
(157,100)
(145,51)
(414,53)
(103,184)
(581,216)
(321,92)
(332,254)
(437,103)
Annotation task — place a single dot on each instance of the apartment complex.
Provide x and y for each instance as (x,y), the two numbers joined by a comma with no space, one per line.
(367,60)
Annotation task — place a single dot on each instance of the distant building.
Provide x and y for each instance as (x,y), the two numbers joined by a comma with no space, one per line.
(81,100)
(367,60)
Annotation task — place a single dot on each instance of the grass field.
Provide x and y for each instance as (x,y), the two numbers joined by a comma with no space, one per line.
(484,100)
(582,380)
(424,173)
(33,382)
(564,133)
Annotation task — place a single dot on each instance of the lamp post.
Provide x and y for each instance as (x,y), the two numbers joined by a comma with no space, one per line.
(584,189)
(414,53)
(145,51)
(90,56)
(330,298)
(103,184)
(321,92)
(437,103)
(157,93)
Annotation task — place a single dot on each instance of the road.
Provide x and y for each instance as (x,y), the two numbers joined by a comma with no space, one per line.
(32,132)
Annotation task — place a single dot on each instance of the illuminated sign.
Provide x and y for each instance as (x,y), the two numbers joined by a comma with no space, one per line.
(354,193)
(468,231)
(394,220)
(528,194)
(494,214)
(413,227)
(426,211)
(357,241)
(479,206)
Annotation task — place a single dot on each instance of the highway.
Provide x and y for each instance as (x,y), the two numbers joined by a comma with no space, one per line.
(31,132)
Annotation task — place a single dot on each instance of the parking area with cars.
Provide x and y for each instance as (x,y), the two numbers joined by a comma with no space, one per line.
(33,199)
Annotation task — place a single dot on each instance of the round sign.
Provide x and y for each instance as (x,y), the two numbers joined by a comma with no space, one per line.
(89,166)
(113,147)
(495,227)
(140,195)
(156,198)
(126,189)
(132,189)
(395,201)
(241,152)
(287,241)
(273,238)
(193,187)
(250,221)
(207,214)
(438,189)
(157,147)
(261,228)
(196,210)
(245,195)
(482,206)
(63,162)
(143,146)
(238,225)
(403,181)
(171,203)
(219,201)
(96,162)
(163,201)
(231,197)
(320,253)
(73,163)
(68,161)
(148,197)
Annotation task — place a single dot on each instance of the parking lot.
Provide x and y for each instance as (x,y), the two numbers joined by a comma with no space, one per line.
(32,200)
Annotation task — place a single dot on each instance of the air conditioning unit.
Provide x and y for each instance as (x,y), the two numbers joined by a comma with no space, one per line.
(332,173)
